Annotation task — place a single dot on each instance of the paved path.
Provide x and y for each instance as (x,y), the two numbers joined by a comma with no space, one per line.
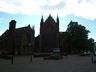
(71,63)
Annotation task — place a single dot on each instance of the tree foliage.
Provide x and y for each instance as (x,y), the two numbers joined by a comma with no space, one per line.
(77,38)
(91,44)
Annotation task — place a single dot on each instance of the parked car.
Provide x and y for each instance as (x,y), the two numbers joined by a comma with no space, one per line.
(85,53)
(55,52)
(95,53)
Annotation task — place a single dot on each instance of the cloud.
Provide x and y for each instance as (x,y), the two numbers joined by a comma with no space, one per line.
(83,8)
(54,6)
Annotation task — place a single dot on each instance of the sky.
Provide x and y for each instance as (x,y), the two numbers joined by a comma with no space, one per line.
(27,12)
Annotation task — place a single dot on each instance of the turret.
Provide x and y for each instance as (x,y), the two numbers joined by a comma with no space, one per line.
(57,21)
(41,23)
(41,20)
(12,25)
(49,15)
(33,30)
(29,25)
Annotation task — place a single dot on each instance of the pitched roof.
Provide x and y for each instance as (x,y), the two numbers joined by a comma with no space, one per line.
(50,19)
(18,32)
(5,34)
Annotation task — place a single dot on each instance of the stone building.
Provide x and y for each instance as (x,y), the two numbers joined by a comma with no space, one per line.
(22,40)
(49,34)
(18,40)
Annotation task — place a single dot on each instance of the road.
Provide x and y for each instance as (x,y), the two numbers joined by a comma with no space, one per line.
(71,63)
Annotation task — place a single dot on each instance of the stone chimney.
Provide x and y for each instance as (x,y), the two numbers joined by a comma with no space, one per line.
(12,25)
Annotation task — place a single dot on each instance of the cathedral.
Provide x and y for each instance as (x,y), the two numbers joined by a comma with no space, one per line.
(49,37)
(22,40)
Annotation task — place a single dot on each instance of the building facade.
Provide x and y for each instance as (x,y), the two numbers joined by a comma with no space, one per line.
(49,34)
(18,40)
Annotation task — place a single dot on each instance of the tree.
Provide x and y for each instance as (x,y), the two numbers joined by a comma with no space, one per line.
(64,42)
(91,44)
(78,37)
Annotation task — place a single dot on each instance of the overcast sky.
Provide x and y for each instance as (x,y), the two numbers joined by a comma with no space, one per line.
(30,11)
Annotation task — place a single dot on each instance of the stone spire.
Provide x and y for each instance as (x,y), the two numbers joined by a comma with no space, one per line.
(58,22)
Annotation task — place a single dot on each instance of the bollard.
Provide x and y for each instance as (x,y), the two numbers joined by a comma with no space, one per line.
(92,58)
(31,58)
(12,60)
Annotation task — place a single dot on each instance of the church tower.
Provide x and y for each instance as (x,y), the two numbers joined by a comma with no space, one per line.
(49,34)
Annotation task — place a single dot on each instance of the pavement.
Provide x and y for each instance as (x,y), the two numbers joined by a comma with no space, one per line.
(70,63)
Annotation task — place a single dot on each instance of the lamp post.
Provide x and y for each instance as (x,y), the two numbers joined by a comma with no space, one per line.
(30,45)
(92,58)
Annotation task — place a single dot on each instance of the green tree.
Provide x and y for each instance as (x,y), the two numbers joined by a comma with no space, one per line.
(78,37)
(64,43)
(91,44)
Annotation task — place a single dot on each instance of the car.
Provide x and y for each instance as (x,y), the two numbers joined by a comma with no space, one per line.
(95,53)
(55,52)
(85,53)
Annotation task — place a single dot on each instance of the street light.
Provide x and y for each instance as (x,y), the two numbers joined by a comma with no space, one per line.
(30,45)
